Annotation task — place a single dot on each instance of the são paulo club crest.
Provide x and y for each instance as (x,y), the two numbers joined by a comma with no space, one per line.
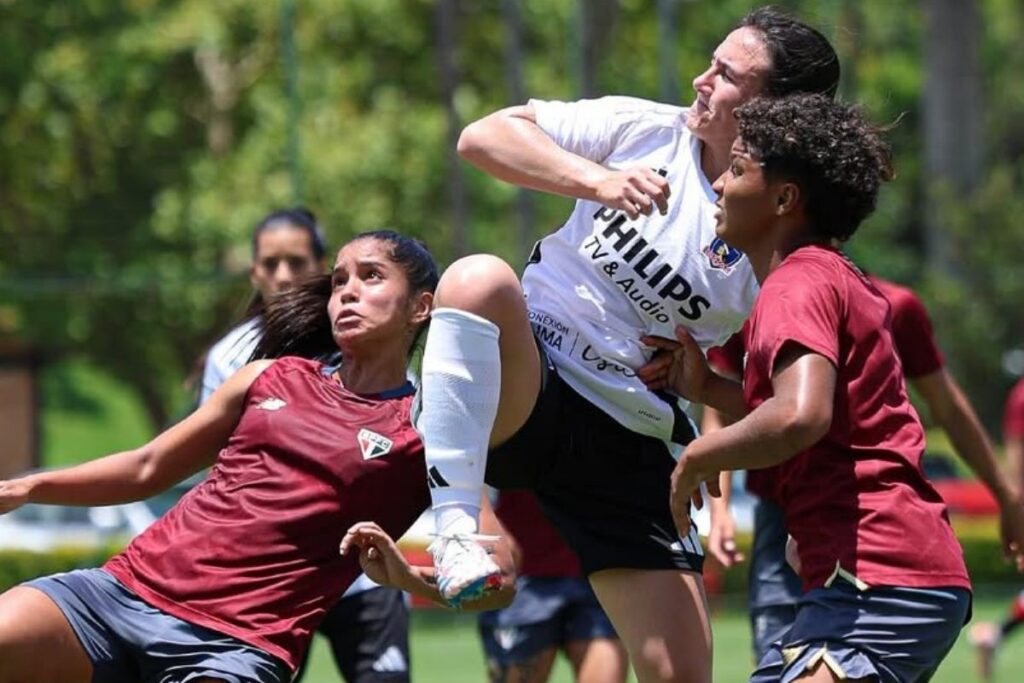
(372,444)
(721,256)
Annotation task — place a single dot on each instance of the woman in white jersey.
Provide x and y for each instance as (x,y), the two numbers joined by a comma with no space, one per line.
(542,374)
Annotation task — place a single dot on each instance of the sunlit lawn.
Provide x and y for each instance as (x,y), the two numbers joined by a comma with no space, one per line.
(445,648)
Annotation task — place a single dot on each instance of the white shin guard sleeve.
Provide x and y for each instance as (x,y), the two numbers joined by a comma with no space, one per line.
(460,389)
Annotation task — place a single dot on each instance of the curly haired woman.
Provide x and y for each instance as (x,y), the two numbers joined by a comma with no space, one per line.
(826,425)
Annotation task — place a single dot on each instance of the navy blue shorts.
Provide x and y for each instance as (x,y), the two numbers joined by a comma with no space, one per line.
(768,624)
(129,641)
(885,634)
(546,613)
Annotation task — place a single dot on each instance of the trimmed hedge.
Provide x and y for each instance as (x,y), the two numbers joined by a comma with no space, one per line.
(979,537)
(17,566)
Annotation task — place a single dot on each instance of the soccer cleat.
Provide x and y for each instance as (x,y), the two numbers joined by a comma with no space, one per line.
(985,637)
(464,569)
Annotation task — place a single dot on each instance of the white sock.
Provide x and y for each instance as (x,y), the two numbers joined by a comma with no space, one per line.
(461,385)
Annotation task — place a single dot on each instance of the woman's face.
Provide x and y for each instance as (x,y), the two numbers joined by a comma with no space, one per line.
(736,74)
(371,306)
(284,255)
(748,203)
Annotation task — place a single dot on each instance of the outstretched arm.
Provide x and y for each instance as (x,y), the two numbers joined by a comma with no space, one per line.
(182,450)
(950,408)
(510,146)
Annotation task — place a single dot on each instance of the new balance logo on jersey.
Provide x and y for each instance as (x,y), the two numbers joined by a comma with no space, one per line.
(271,403)
(372,444)
(434,478)
(391,661)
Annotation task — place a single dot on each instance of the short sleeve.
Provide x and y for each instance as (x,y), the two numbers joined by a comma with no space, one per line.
(591,129)
(1013,418)
(913,334)
(213,377)
(228,356)
(727,359)
(797,304)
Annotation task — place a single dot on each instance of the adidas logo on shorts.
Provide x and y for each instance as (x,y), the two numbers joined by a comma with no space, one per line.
(391,661)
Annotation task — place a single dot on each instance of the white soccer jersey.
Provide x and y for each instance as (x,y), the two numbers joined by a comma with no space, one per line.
(602,281)
(229,355)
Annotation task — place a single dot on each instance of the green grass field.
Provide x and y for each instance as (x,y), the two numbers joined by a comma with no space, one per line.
(445,648)
(86,414)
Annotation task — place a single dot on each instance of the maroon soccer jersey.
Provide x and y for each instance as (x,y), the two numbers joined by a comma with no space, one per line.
(252,551)
(728,358)
(911,330)
(858,498)
(1013,418)
(912,333)
(544,553)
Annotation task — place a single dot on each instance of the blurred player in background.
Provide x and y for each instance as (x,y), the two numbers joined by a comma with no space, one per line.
(987,636)
(555,609)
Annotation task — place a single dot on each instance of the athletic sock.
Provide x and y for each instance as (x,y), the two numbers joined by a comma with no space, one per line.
(461,385)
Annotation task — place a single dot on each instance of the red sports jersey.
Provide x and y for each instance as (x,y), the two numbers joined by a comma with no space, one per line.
(544,553)
(728,358)
(1013,418)
(252,551)
(858,498)
(911,330)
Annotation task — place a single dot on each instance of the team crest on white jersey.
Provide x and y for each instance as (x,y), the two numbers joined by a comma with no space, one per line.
(721,256)
(272,403)
(373,445)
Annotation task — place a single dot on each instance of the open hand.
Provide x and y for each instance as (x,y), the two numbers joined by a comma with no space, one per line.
(722,538)
(685,489)
(1011,531)
(379,556)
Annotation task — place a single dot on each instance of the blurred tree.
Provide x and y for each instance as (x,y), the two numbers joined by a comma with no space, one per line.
(140,141)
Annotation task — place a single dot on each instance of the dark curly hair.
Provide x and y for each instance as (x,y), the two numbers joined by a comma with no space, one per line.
(829,149)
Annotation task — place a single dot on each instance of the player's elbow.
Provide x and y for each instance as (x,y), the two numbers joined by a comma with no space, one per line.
(805,425)
(473,141)
(485,137)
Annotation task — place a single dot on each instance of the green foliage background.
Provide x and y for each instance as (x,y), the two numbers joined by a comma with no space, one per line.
(141,140)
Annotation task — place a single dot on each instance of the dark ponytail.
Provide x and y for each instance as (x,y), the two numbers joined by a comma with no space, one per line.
(295,322)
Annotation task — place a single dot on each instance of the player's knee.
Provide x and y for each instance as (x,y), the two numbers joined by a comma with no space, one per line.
(481,284)
(660,667)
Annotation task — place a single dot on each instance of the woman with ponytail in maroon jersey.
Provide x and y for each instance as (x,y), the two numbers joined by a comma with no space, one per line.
(231,583)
